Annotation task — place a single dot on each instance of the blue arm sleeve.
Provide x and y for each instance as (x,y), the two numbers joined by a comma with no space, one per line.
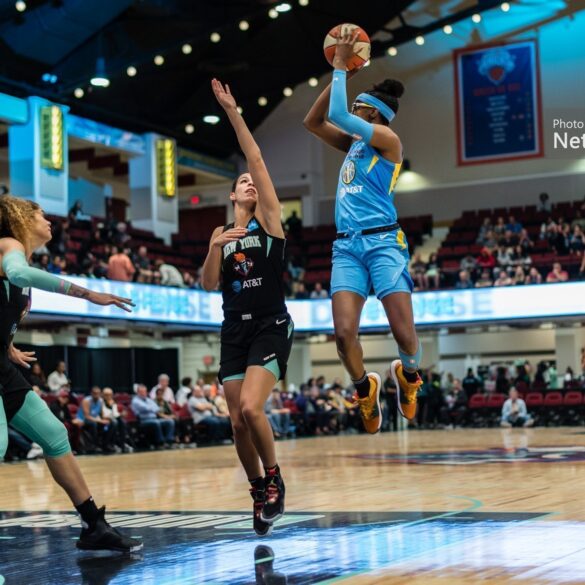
(338,113)
(21,274)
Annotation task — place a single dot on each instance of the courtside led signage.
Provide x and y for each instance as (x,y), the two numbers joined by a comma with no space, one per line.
(166,167)
(52,134)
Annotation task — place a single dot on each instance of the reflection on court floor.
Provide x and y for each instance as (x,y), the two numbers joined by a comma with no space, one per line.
(220,548)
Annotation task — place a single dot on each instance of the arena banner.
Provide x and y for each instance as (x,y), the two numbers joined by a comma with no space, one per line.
(498,104)
(202,310)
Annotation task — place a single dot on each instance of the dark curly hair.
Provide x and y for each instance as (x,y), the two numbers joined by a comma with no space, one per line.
(388,91)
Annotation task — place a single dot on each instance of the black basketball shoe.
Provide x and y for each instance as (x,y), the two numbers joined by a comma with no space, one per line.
(102,536)
(273,508)
(261,528)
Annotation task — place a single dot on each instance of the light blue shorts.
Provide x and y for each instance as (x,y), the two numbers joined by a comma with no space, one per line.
(380,260)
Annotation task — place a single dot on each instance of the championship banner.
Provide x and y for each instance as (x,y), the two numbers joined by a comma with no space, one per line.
(498,105)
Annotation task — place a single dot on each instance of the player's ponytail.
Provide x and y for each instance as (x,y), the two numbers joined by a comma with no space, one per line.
(388,91)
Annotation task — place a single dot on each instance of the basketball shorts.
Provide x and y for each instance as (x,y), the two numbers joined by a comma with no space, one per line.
(378,260)
(265,342)
(13,386)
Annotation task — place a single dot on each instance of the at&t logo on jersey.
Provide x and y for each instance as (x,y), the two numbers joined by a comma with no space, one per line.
(353,190)
(242,264)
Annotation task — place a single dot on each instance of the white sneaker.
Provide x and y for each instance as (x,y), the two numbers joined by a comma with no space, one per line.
(36,451)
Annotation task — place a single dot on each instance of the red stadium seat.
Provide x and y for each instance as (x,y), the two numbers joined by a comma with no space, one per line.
(552,399)
(534,399)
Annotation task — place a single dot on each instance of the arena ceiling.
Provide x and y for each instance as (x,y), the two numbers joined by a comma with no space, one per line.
(61,40)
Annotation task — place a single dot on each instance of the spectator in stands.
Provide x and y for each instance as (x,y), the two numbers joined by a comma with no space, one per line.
(60,232)
(485,280)
(202,412)
(579,220)
(471,383)
(485,229)
(76,214)
(184,392)
(544,204)
(21,446)
(490,241)
(190,281)
(464,280)
(37,378)
(453,413)
(143,265)
(513,226)
(167,391)
(96,429)
(468,263)
(486,260)
(220,403)
(301,292)
(433,271)
(519,276)
(165,411)
(504,256)
(146,409)
(60,408)
(278,416)
(112,413)
(520,257)
(534,277)
(522,377)
(503,279)
(57,378)
(500,227)
(295,269)
(557,274)
(418,270)
(169,274)
(508,240)
(514,412)
(577,241)
(42,262)
(294,225)
(57,265)
(120,267)
(120,236)
(319,292)
(525,242)
(560,239)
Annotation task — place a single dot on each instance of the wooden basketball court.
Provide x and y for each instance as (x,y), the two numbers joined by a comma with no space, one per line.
(457,506)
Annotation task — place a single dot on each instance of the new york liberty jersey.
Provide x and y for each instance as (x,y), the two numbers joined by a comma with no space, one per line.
(365,192)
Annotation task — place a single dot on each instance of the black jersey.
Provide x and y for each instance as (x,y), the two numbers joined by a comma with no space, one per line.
(14,306)
(252,270)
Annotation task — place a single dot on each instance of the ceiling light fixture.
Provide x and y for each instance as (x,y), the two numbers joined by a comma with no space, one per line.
(100,79)
(244,25)
(287,91)
(159,60)
(78,93)
(447,29)
(262,101)
(505,6)
(215,37)
(476,18)
(313,82)
(189,128)
(131,71)
(240,110)
(20,6)
(283,7)
(303,2)
(273,13)
(392,51)
(211,119)
(420,40)
(187,49)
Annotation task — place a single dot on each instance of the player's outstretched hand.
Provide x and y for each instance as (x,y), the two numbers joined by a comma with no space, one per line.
(105,299)
(21,358)
(223,95)
(345,47)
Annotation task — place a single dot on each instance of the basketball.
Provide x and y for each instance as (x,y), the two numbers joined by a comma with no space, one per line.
(361,48)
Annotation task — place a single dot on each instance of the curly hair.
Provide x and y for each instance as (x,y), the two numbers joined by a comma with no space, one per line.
(16,217)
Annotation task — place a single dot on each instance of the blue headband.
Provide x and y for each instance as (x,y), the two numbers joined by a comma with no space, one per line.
(384,109)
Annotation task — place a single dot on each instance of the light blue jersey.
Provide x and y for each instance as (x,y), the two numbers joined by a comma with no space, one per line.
(365,193)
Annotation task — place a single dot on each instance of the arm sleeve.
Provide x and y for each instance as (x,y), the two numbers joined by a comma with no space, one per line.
(338,113)
(21,274)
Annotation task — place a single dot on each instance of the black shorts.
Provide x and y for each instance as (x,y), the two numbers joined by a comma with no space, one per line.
(13,386)
(258,342)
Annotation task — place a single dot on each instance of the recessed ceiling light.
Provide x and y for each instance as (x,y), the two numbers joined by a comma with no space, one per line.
(287,91)
(303,2)
(78,93)
(131,71)
(313,82)
(159,60)
(240,110)
(392,51)
(505,6)
(20,6)
(262,101)
(476,18)
(420,40)
(189,128)
(211,119)
(447,29)
(283,7)
(273,13)
(244,25)
(215,37)
(186,48)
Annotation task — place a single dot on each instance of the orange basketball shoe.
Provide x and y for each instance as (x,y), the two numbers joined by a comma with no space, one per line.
(370,410)
(406,391)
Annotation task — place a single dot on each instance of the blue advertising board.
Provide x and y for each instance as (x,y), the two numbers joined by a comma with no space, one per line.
(198,309)
(497,96)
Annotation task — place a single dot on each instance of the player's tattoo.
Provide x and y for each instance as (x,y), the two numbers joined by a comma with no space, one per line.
(78,291)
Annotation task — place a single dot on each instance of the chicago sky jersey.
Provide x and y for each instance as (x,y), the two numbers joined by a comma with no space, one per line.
(365,191)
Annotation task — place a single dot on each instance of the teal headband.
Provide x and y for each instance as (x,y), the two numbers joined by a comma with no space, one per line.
(385,110)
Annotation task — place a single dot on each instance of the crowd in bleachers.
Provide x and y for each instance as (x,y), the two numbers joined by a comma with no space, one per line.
(507,247)
(105,421)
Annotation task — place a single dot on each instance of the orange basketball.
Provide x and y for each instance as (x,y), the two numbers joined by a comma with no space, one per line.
(361,48)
